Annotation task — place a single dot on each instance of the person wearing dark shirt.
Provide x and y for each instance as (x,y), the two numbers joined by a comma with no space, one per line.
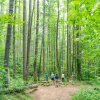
(56,80)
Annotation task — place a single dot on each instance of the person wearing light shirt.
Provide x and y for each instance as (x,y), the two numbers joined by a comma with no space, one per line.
(62,77)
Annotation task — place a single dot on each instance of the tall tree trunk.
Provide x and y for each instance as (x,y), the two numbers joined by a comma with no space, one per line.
(54,56)
(18,51)
(8,42)
(14,51)
(29,37)
(74,52)
(78,58)
(49,39)
(73,58)
(43,36)
(68,46)
(24,40)
(36,43)
(62,52)
(63,44)
(39,69)
(57,61)
(29,33)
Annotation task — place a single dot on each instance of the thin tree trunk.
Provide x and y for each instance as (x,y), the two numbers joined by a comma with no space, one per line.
(54,55)
(63,40)
(18,51)
(29,38)
(78,59)
(39,69)
(7,45)
(57,61)
(14,51)
(49,39)
(29,34)
(36,43)
(24,40)
(43,36)
(73,55)
(68,46)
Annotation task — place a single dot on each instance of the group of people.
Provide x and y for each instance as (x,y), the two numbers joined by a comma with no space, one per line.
(54,77)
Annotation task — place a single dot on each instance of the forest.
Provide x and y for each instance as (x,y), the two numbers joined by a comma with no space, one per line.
(40,39)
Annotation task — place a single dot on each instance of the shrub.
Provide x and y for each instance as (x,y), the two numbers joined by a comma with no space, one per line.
(87,94)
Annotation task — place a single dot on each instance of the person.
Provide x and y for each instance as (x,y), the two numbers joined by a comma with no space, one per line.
(52,76)
(62,77)
(56,80)
(46,77)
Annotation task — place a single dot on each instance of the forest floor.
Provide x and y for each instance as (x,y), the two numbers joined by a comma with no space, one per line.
(48,91)
(55,93)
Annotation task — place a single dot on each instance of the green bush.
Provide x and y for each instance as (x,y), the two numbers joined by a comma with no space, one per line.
(18,96)
(2,76)
(87,94)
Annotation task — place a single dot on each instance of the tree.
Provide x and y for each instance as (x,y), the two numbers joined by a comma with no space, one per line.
(43,36)
(24,40)
(73,54)
(68,46)
(14,51)
(8,42)
(29,34)
(57,30)
(36,43)
(78,58)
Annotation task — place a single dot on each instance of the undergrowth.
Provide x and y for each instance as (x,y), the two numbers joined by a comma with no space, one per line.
(87,94)
(15,96)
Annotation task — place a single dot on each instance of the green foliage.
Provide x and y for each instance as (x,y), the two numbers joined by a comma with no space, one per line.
(21,96)
(81,12)
(16,82)
(87,94)
(2,1)
(2,76)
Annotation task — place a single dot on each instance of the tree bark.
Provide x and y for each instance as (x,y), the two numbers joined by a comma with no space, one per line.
(18,51)
(7,45)
(14,51)
(57,30)
(29,34)
(43,36)
(39,69)
(78,58)
(24,40)
(68,46)
(36,43)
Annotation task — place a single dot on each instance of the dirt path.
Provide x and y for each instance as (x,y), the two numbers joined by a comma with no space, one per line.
(55,93)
